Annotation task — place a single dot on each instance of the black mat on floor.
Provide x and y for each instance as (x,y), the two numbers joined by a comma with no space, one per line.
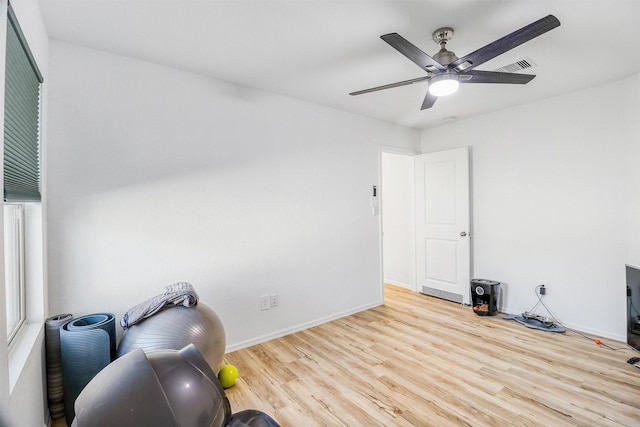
(535,324)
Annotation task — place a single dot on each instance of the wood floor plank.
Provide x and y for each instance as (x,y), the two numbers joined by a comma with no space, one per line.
(422,361)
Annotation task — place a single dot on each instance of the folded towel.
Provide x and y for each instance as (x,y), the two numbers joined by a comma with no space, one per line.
(177,294)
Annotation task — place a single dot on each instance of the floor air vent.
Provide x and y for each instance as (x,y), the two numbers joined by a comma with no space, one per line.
(517,66)
(450,296)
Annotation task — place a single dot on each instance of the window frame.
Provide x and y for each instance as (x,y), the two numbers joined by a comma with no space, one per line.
(23,117)
(14,253)
(26,344)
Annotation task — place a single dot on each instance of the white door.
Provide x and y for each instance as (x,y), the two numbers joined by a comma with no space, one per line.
(443,249)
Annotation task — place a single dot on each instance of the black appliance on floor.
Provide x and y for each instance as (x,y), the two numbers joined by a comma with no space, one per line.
(484,296)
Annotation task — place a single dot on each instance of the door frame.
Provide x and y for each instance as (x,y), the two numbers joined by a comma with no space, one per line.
(413,153)
(402,152)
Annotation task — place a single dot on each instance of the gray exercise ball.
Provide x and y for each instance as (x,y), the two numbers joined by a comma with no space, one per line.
(165,388)
(176,327)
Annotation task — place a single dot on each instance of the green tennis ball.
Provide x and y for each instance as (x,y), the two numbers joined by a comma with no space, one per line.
(228,376)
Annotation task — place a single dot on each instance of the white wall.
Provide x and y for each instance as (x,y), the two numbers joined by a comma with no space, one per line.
(22,380)
(555,198)
(157,175)
(630,107)
(398,219)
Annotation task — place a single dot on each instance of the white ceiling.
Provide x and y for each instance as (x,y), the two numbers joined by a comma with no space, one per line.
(320,50)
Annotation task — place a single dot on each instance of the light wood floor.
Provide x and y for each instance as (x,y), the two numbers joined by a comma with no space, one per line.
(422,361)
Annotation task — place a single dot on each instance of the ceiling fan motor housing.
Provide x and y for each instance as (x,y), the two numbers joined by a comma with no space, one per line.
(441,36)
(445,57)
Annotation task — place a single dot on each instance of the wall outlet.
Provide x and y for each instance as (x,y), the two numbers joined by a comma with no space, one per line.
(275,300)
(543,286)
(265,302)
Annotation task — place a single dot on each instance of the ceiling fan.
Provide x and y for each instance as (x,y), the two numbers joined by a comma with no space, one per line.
(445,70)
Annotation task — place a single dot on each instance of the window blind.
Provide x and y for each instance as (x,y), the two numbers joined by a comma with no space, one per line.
(21,118)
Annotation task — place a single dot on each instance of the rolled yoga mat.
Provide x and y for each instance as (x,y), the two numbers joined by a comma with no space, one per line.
(87,344)
(54,364)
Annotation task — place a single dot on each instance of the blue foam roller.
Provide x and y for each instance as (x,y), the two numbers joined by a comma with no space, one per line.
(87,345)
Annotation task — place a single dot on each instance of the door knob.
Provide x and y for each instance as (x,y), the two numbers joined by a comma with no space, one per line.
(464,233)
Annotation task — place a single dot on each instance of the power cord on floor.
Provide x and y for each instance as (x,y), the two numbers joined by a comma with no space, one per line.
(555,319)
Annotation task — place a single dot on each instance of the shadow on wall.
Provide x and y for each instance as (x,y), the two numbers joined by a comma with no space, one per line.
(115,121)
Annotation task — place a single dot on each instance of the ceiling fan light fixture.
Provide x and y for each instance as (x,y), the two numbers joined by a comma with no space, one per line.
(444,84)
(445,70)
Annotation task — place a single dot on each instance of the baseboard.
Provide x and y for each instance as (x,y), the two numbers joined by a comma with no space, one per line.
(400,284)
(297,328)
(277,334)
(581,328)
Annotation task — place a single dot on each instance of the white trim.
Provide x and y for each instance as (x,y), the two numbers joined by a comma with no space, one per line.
(404,152)
(21,349)
(298,328)
(580,328)
(14,262)
(398,150)
(393,150)
(401,284)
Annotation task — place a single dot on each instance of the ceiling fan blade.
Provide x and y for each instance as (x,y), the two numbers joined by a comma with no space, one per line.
(429,100)
(505,44)
(420,58)
(391,85)
(477,76)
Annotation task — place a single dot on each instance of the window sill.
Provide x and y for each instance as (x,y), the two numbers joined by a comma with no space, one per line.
(21,349)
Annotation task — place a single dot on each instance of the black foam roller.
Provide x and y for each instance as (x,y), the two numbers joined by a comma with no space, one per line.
(54,364)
